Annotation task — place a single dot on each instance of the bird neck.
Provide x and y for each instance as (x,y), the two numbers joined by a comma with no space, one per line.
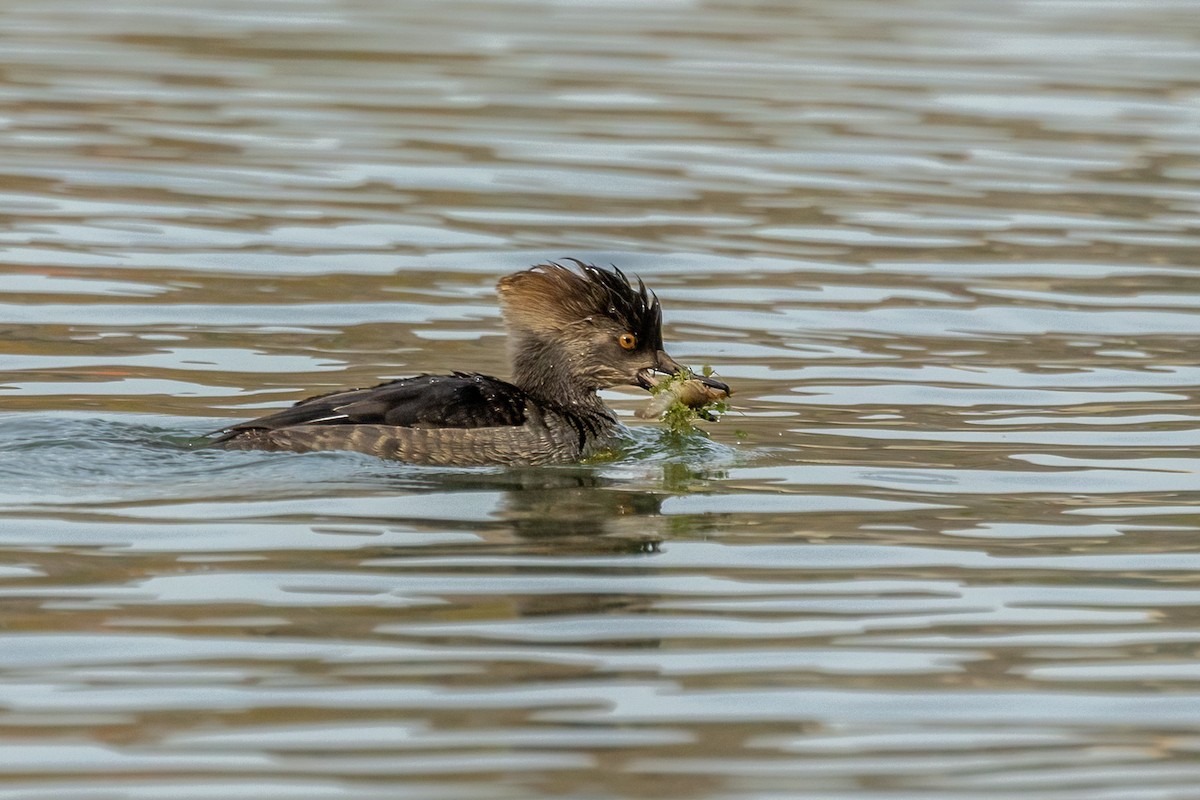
(548,373)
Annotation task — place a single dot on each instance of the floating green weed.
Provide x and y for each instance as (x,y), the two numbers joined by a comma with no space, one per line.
(679,414)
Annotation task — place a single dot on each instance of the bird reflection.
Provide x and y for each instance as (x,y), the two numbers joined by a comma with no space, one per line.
(572,509)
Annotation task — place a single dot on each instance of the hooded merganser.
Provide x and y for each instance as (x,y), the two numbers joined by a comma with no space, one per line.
(572,331)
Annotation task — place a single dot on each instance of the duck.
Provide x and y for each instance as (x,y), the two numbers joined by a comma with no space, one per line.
(573,330)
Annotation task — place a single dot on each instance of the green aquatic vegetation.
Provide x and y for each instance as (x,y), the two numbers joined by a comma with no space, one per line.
(680,399)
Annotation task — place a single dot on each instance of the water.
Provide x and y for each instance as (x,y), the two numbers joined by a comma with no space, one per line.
(944,547)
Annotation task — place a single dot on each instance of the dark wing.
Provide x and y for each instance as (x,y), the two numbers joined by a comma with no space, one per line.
(426,401)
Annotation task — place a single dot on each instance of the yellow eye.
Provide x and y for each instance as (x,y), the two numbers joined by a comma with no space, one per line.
(627,340)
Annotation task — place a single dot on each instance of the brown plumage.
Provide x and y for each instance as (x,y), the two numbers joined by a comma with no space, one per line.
(573,331)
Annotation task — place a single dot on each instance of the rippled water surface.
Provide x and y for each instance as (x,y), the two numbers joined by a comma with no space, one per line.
(945,546)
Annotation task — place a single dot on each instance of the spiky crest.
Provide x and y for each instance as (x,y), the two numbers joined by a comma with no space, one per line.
(551,298)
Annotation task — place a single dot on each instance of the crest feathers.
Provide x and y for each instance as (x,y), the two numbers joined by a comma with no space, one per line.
(550,298)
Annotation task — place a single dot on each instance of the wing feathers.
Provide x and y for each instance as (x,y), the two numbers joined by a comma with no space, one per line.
(460,400)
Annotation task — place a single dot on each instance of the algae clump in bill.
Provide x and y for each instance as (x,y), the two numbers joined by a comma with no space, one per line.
(684,397)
